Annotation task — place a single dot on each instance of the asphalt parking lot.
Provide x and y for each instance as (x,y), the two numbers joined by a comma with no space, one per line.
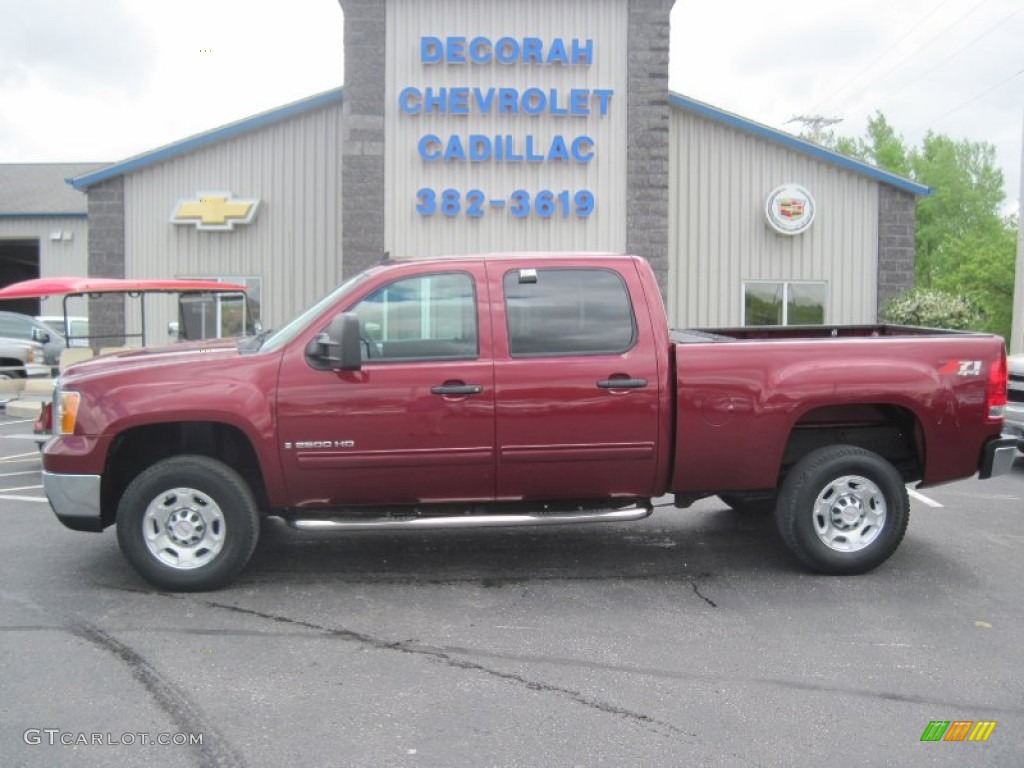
(689,639)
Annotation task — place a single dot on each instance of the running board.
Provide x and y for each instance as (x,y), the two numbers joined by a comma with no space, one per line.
(623,515)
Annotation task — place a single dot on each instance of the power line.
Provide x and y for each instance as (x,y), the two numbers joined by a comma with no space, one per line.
(910,30)
(968,103)
(918,49)
(957,52)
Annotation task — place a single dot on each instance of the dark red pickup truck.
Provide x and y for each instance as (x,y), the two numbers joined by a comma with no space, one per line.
(516,390)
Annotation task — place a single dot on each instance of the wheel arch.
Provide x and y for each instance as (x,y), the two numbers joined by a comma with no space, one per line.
(891,430)
(11,367)
(138,448)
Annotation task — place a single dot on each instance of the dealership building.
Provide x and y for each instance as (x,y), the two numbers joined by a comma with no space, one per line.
(479,127)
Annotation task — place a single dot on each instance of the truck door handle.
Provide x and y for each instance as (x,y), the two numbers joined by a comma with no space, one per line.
(622,383)
(456,389)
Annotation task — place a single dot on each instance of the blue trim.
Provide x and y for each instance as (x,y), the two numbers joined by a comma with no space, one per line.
(44,215)
(799,145)
(193,143)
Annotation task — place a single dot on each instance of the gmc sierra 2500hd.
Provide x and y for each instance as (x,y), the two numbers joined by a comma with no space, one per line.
(516,390)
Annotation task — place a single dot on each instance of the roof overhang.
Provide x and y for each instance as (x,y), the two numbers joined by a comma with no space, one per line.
(796,144)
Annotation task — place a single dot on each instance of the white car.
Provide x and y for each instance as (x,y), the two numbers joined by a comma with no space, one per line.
(76,330)
(1014,422)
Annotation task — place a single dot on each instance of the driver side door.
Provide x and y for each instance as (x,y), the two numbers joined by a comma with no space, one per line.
(416,423)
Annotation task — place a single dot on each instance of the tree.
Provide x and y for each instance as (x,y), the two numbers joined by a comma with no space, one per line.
(963,245)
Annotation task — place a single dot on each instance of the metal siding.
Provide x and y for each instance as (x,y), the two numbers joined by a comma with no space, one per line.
(294,168)
(410,235)
(719,178)
(57,258)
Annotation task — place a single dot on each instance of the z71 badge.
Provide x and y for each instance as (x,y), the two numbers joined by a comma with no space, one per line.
(962,367)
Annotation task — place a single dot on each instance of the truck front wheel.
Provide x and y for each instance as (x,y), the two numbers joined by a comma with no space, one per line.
(843,510)
(188,523)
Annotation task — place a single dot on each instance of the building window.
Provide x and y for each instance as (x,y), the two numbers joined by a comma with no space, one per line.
(221,316)
(783,303)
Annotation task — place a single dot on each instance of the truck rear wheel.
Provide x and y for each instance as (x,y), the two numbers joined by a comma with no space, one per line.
(843,510)
(188,523)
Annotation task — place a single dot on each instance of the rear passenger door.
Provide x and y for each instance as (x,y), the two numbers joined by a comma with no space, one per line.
(576,384)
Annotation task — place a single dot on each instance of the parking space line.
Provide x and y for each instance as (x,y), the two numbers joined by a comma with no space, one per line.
(16,474)
(923,499)
(39,499)
(21,488)
(20,455)
(18,421)
(20,458)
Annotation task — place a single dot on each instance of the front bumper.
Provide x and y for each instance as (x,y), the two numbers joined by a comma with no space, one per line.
(75,500)
(38,371)
(997,457)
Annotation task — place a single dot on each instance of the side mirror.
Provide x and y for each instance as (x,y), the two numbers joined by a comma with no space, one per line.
(38,334)
(337,348)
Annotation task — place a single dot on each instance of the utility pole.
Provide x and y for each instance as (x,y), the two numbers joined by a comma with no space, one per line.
(1017,321)
(815,123)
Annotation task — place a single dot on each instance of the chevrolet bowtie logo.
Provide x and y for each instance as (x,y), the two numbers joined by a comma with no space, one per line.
(215,210)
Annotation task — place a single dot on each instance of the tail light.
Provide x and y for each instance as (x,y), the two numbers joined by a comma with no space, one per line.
(995,395)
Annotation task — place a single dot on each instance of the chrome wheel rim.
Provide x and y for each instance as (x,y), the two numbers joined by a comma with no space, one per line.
(849,513)
(184,528)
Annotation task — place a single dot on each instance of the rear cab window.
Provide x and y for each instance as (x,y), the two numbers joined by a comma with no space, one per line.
(567,312)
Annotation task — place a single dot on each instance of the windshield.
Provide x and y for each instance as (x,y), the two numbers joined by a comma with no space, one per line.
(271,340)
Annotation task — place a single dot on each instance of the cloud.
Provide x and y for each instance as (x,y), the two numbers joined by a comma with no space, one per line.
(74,44)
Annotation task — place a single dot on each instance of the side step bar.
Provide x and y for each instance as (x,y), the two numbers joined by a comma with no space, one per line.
(622,515)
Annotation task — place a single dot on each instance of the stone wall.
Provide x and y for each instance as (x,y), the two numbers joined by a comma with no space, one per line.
(896,221)
(362,165)
(106,258)
(648,128)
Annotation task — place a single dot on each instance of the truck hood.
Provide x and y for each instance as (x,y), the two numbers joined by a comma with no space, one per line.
(176,355)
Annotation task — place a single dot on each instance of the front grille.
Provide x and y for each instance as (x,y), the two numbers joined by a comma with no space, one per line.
(1015,395)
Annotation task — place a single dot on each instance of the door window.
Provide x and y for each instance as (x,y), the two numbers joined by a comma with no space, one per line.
(428,317)
(568,312)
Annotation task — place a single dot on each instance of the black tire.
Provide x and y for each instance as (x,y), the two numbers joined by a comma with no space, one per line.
(188,523)
(843,510)
(750,503)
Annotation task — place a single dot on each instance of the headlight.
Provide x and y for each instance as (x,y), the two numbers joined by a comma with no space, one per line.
(66,411)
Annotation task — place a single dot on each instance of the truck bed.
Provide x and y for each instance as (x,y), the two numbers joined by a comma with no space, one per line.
(746,407)
(778,333)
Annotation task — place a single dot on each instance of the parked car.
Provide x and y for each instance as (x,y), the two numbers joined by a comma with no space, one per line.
(1014,423)
(14,325)
(75,331)
(22,359)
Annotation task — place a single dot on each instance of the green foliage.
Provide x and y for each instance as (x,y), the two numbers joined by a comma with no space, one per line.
(933,309)
(963,245)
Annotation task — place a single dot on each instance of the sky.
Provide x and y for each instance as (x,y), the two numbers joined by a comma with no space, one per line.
(108,79)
